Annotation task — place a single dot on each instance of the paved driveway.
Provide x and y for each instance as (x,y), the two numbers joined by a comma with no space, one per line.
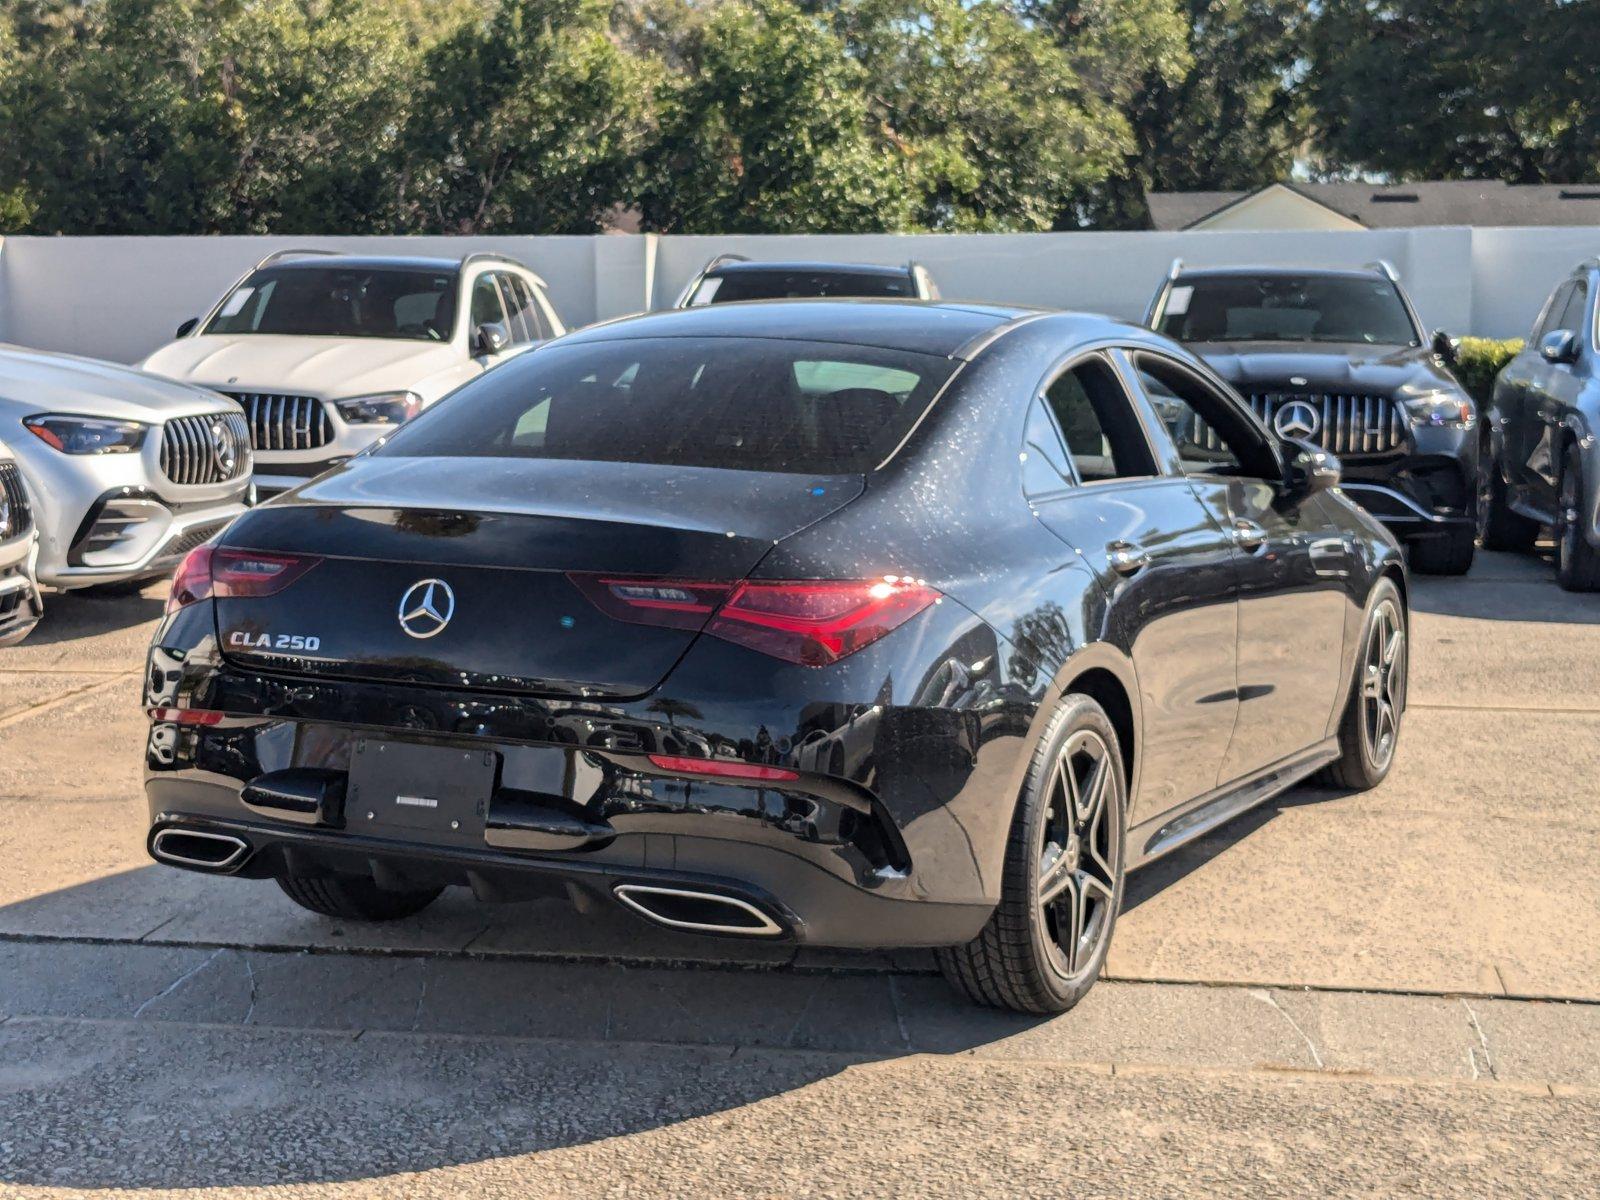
(1289,997)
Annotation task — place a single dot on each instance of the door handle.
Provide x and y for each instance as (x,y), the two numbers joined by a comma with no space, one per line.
(1126,558)
(1247,535)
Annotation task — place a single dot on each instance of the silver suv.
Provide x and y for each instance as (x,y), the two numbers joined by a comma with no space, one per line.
(20,607)
(125,472)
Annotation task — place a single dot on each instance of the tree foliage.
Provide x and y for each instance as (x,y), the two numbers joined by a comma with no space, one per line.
(551,116)
(1483,89)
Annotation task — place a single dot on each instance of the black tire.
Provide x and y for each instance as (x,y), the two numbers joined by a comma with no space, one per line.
(1365,753)
(1446,554)
(1577,562)
(1020,960)
(1499,526)
(353,898)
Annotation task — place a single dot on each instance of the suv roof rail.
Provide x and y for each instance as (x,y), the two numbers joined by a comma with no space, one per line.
(1385,268)
(1175,269)
(489,256)
(277,254)
(719,259)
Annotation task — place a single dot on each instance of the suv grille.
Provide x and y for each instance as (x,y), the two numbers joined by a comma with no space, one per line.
(212,448)
(1348,424)
(284,422)
(16,518)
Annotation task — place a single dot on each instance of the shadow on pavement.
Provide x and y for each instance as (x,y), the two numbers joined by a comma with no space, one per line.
(72,616)
(320,1065)
(1520,587)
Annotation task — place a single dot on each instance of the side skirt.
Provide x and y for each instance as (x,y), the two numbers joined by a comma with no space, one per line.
(1165,833)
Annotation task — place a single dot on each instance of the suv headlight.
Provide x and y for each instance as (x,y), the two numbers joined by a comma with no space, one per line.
(381,408)
(87,435)
(1436,406)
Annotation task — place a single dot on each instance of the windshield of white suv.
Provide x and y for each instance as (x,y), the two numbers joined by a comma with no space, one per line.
(1287,308)
(341,302)
(793,285)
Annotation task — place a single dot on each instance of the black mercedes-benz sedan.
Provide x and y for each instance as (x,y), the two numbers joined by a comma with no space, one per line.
(857,624)
(1339,358)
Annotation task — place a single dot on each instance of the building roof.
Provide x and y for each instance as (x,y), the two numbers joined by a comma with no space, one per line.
(1402,205)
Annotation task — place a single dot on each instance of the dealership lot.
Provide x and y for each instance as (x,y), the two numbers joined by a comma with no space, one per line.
(1284,996)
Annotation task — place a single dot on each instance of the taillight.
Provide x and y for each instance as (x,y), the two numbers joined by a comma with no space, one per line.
(211,571)
(812,622)
(720,768)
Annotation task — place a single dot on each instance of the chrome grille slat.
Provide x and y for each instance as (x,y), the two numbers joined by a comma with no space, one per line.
(188,455)
(284,422)
(21,515)
(1352,423)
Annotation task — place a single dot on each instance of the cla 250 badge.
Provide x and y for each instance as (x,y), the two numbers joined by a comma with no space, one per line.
(268,641)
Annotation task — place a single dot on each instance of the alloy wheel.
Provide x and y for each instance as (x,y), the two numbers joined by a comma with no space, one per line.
(1078,852)
(1383,683)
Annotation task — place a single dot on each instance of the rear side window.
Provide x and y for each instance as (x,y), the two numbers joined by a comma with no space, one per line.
(749,404)
(1099,424)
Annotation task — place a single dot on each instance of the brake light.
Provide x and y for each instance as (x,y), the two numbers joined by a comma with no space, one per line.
(811,622)
(210,571)
(719,768)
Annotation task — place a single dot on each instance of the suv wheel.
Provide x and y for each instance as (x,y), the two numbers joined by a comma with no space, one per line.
(1499,527)
(1449,553)
(1577,562)
(1369,731)
(1046,941)
(354,898)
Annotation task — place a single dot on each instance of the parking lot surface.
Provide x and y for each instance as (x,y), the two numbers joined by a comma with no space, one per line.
(1396,992)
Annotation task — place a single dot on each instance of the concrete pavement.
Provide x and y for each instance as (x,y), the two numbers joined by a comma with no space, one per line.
(1345,994)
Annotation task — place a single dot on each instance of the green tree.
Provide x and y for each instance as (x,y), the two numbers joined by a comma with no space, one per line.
(996,129)
(1237,119)
(1486,89)
(182,116)
(532,121)
(765,128)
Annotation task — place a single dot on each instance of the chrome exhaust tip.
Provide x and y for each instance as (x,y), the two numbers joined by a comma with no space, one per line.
(198,849)
(699,912)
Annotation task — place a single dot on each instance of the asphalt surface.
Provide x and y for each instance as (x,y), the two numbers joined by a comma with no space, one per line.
(1396,993)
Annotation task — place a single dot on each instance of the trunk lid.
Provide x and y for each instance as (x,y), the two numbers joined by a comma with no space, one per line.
(480,574)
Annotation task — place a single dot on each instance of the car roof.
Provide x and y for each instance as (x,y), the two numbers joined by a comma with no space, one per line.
(923,327)
(831,268)
(1279,271)
(369,262)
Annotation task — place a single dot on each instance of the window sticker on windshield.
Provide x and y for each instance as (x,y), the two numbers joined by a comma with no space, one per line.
(236,302)
(1178,301)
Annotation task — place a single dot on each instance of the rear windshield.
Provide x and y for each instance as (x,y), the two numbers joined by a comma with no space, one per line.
(1286,308)
(748,404)
(792,285)
(340,302)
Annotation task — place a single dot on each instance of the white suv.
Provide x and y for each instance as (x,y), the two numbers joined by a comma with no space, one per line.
(327,352)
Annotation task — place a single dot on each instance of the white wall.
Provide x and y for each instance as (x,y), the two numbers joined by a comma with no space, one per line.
(120,298)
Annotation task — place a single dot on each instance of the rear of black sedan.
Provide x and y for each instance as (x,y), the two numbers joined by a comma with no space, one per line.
(564,634)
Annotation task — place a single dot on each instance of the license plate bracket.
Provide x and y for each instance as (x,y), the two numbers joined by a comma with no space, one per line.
(411,791)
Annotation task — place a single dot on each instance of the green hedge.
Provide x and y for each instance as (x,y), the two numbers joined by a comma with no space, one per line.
(1480,361)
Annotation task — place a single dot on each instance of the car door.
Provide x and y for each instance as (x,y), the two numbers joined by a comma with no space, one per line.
(1517,397)
(1293,562)
(1554,396)
(1164,562)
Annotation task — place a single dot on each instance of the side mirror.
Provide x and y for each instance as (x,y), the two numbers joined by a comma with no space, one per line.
(1309,469)
(1559,346)
(1446,347)
(183,330)
(490,338)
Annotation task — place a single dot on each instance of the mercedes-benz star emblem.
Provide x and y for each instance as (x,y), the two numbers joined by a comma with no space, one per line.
(427,607)
(1297,419)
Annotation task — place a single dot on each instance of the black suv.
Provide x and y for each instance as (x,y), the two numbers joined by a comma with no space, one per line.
(730,277)
(1544,468)
(1339,358)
